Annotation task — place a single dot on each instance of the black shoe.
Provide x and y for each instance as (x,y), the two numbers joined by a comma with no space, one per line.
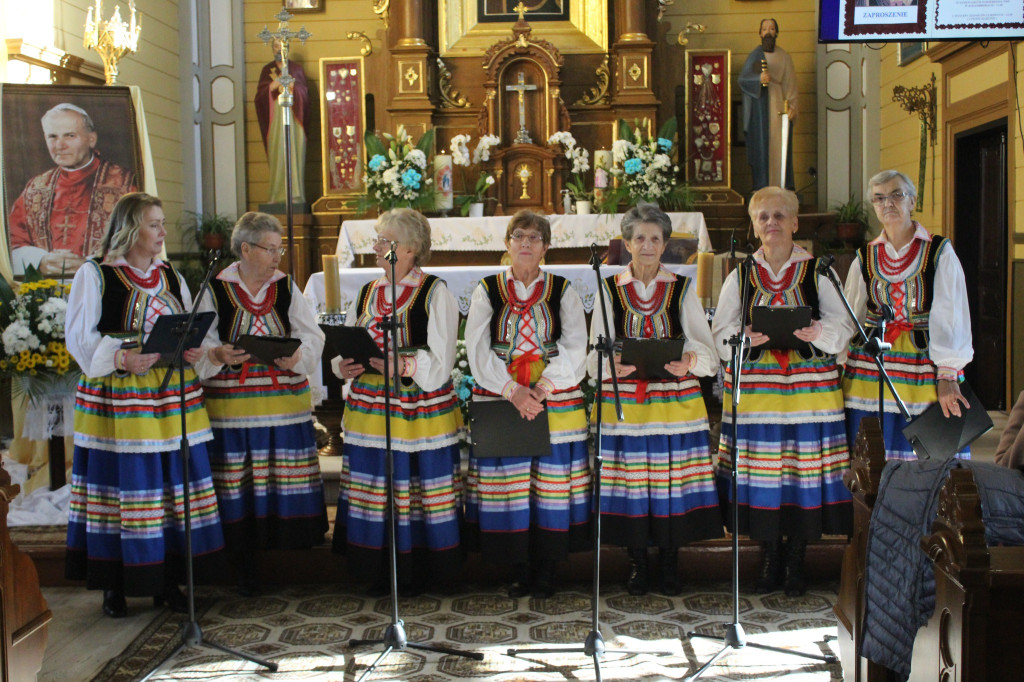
(773,569)
(544,580)
(520,586)
(636,584)
(671,586)
(796,584)
(174,598)
(114,604)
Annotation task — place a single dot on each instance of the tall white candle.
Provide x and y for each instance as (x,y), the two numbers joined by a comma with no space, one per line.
(602,163)
(445,197)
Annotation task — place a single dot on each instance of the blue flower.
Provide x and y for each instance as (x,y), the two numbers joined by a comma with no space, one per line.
(411,178)
(664,144)
(376,162)
(633,166)
(463,393)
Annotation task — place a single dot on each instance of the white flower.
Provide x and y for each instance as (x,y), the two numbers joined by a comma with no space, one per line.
(460,152)
(564,138)
(483,148)
(580,160)
(392,177)
(489,180)
(621,150)
(417,158)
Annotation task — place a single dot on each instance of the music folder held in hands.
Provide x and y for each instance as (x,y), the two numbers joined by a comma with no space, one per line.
(498,430)
(779,322)
(353,343)
(650,357)
(167,331)
(932,434)
(266,349)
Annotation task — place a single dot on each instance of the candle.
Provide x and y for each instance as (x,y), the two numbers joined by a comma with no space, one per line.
(705,263)
(445,196)
(332,285)
(602,163)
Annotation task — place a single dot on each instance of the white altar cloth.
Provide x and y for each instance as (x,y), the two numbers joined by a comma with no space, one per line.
(488,234)
(463,280)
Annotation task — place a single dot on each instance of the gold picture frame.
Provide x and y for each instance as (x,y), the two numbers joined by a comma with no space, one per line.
(706,137)
(301,6)
(462,34)
(343,122)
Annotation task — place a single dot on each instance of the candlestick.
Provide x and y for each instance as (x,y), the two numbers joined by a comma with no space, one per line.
(332,285)
(445,196)
(705,265)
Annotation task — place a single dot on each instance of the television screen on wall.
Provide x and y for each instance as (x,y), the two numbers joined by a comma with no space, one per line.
(864,21)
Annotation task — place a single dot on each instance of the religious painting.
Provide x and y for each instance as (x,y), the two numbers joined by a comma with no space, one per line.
(342,122)
(705,138)
(69,153)
(908,52)
(303,5)
(468,29)
(536,10)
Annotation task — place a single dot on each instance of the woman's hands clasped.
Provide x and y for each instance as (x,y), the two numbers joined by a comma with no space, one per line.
(529,401)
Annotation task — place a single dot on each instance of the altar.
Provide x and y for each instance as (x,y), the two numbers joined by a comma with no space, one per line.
(488,234)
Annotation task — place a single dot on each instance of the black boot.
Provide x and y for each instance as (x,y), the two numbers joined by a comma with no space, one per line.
(543,579)
(669,560)
(114,604)
(796,584)
(773,570)
(520,586)
(636,585)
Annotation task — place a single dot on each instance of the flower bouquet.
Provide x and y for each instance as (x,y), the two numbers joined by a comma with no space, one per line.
(460,157)
(396,174)
(33,351)
(644,170)
(580,164)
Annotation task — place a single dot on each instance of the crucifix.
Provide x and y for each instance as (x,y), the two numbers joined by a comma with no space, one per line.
(522,136)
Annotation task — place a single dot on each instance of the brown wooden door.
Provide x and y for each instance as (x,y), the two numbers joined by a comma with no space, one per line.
(979,237)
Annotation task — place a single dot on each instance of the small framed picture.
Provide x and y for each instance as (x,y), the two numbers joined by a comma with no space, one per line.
(908,52)
(304,5)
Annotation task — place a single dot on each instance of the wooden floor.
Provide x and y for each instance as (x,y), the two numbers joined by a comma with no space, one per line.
(82,640)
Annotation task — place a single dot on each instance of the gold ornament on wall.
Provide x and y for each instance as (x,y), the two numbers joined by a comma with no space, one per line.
(599,93)
(382,8)
(367,47)
(450,99)
(920,100)
(113,38)
(690,28)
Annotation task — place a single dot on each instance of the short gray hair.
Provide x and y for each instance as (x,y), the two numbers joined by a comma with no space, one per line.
(67,106)
(645,213)
(250,229)
(888,175)
(412,229)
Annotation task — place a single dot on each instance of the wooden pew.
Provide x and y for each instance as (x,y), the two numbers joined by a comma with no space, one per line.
(974,633)
(24,616)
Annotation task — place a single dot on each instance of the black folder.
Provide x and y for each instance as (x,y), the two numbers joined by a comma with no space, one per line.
(650,357)
(497,430)
(779,322)
(353,342)
(167,331)
(933,435)
(266,349)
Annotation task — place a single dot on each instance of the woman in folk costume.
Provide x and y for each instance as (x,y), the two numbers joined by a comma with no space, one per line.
(657,484)
(790,443)
(126,520)
(264,454)
(919,276)
(526,339)
(425,421)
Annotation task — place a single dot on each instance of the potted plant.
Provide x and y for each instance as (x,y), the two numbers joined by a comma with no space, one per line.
(851,220)
(211,232)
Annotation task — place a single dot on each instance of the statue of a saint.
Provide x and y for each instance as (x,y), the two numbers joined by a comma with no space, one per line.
(271,122)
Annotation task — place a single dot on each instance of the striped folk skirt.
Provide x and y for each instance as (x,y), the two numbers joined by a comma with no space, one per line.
(792,447)
(913,376)
(535,506)
(126,523)
(425,436)
(264,460)
(657,481)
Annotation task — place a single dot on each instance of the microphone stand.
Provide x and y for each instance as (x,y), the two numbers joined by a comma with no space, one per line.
(394,638)
(734,637)
(594,645)
(875,346)
(191,632)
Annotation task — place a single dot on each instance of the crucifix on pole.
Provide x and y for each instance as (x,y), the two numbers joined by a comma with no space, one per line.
(520,88)
(284,35)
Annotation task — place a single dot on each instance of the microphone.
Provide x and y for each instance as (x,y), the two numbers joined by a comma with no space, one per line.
(888,314)
(732,243)
(825,263)
(390,256)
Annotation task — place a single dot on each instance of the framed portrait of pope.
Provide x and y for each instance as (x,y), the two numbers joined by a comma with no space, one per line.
(69,153)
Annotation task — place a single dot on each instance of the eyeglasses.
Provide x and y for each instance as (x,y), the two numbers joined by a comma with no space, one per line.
(280,250)
(531,237)
(895,197)
(381,242)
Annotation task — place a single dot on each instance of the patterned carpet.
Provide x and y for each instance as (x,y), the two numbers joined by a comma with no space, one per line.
(306,629)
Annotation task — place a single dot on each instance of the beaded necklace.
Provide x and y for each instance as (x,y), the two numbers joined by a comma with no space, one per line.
(893,267)
(257,309)
(147,282)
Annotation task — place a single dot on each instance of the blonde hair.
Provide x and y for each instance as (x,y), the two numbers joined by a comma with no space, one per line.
(125,222)
(412,229)
(788,198)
